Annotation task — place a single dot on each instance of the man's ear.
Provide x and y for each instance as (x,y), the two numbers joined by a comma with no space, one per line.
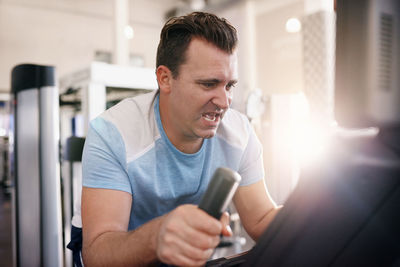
(164,78)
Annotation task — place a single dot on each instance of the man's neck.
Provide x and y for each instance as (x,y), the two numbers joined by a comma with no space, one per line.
(185,144)
(188,147)
(182,143)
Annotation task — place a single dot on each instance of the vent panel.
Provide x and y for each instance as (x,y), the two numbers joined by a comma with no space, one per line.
(385,51)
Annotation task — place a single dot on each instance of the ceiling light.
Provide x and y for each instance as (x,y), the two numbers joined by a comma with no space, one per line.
(293,25)
(197,4)
(129,33)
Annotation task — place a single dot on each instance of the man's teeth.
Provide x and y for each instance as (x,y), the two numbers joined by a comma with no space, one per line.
(210,117)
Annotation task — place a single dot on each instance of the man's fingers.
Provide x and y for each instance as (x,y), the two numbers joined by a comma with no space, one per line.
(226,229)
(198,238)
(225,218)
(188,236)
(178,249)
(194,252)
(185,261)
(200,220)
(176,255)
(212,226)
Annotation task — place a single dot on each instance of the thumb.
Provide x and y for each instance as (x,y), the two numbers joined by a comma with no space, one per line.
(226,229)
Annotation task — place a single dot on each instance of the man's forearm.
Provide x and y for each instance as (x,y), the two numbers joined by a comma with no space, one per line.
(134,248)
(263,224)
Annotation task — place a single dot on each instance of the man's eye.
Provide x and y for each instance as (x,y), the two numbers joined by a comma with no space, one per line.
(230,86)
(208,85)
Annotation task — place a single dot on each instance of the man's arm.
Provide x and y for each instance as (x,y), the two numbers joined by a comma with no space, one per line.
(105,218)
(185,236)
(255,207)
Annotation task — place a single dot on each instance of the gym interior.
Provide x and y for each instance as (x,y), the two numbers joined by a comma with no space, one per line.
(318,82)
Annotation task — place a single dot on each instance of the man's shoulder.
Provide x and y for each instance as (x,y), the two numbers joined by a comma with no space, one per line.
(235,118)
(130,108)
(133,120)
(235,128)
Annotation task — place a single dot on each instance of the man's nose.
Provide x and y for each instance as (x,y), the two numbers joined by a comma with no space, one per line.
(223,98)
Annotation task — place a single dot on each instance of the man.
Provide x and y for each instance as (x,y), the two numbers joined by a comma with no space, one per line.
(148,160)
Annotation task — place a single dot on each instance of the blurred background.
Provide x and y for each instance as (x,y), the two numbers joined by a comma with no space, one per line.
(104,51)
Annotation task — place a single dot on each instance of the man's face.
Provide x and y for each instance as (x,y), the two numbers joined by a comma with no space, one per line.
(202,91)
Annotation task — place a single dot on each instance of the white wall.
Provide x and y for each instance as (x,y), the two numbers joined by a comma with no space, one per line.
(279,53)
(66,34)
(236,15)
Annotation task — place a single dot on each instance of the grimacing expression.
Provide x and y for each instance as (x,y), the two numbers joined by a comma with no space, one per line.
(202,91)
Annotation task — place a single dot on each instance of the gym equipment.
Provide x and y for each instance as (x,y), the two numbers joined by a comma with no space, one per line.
(219,192)
(37,230)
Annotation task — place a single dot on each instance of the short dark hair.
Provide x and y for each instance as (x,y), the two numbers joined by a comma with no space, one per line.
(179,31)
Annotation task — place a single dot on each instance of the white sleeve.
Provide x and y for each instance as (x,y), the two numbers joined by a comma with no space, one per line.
(251,166)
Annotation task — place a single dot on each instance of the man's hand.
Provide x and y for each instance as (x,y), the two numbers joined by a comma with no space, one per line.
(188,236)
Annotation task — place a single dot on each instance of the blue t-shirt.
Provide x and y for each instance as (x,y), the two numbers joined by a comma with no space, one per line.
(127,149)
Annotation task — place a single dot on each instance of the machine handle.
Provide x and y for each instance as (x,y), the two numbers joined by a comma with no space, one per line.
(220,191)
